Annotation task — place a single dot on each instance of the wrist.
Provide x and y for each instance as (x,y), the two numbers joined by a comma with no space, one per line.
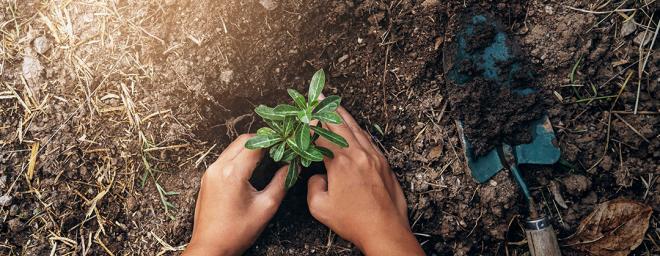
(396,239)
(202,248)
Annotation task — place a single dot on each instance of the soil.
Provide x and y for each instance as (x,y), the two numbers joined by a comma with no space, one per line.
(492,111)
(492,115)
(123,90)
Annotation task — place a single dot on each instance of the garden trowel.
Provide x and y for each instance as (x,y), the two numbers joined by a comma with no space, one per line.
(490,51)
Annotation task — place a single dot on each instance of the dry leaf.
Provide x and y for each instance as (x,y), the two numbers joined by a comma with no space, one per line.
(615,227)
(554,189)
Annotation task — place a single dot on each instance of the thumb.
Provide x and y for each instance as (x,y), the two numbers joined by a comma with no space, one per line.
(317,192)
(275,191)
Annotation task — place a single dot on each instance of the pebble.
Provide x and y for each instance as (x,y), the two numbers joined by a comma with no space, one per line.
(549,10)
(41,44)
(226,76)
(268,4)
(5,200)
(643,38)
(430,3)
(31,67)
(627,28)
(342,58)
(170,2)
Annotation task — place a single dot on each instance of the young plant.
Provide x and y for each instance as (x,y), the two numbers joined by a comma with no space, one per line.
(288,134)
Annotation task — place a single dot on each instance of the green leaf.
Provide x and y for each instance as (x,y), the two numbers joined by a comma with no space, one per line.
(289,125)
(305,116)
(266,131)
(331,136)
(310,154)
(268,113)
(328,117)
(305,162)
(289,155)
(303,136)
(275,125)
(326,152)
(277,152)
(262,141)
(316,85)
(329,104)
(298,98)
(292,173)
(286,110)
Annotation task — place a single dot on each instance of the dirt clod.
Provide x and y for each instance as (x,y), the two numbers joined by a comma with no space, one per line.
(576,184)
(15,225)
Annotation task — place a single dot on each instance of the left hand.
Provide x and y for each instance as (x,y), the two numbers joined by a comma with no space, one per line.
(230,213)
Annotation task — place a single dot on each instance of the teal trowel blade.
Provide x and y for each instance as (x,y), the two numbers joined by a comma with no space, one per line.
(484,167)
(543,149)
(482,55)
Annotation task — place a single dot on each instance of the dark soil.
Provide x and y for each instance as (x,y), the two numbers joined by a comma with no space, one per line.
(166,85)
(492,111)
(492,115)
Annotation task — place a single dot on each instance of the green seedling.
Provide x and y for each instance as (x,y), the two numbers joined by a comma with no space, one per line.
(288,132)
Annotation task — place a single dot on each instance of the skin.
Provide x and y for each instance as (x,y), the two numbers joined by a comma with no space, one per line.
(360,199)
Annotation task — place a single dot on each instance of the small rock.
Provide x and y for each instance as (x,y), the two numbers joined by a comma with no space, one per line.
(576,184)
(268,4)
(643,38)
(430,3)
(15,225)
(435,153)
(360,40)
(627,28)
(41,44)
(549,10)
(170,2)
(31,67)
(5,200)
(342,58)
(226,76)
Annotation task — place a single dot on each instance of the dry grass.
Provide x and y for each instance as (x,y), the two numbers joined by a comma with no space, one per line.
(92,115)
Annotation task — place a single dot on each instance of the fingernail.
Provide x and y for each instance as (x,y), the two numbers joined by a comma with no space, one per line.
(321,96)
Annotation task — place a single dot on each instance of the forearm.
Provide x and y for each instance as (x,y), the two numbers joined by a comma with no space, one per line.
(395,241)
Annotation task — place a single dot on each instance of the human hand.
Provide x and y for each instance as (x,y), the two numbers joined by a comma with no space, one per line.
(230,213)
(360,198)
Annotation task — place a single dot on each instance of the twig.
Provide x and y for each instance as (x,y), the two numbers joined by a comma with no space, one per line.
(632,128)
(642,66)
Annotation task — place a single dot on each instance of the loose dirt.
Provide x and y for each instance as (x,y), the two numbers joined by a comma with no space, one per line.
(126,99)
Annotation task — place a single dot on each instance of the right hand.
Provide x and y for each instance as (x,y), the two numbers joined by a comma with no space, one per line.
(360,198)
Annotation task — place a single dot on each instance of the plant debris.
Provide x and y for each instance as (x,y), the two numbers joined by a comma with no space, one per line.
(614,228)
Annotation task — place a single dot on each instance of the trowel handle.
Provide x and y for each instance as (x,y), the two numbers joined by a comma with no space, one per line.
(541,238)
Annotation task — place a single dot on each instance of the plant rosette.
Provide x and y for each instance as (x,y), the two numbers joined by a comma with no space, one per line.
(288,134)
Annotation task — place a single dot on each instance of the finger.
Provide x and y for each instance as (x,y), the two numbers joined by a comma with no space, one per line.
(276,189)
(344,131)
(234,147)
(245,162)
(317,192)
(369,142)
